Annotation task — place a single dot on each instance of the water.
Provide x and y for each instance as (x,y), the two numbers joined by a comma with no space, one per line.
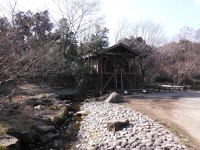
(68,137)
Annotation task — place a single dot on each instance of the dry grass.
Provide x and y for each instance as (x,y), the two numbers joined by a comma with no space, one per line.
(3,128)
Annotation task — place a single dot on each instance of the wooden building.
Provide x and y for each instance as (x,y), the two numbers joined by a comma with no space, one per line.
(114,68)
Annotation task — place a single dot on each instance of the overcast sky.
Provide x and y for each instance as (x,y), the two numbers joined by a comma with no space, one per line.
(172,14)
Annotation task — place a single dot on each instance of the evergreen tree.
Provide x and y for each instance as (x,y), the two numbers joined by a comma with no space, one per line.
(99,40)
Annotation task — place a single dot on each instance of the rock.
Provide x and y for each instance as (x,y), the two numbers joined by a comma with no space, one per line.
(80,113)
(51,95)
(146,141)
(130,141)
(29,136)
(41,96)
(56,144)
(149,144)
(47,102)
(115,125)
(134,145)
(9,143)
(158,142)
(118,147)
(33,102)
(114,98)
(142,133)
(90,148)
(48,137)
(39,107)
(42,128)
(14,132)
(124,144)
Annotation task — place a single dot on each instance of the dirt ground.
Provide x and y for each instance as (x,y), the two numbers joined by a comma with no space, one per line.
(177,111)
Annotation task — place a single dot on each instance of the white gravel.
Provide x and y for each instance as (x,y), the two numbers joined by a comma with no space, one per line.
(141,134)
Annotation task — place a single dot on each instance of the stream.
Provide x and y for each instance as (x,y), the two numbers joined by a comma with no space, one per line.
(67,135)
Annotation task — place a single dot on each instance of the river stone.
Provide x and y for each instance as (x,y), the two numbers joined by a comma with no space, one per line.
(141,132)
(9,142)
(14,132)
(33,102)
(43,129)
(29,136)
(48,137)
(80,113)
(114,125)
(118,147)
(146,141)
(149,144)
(114,98)
(91,148)
(124,144)
(134,145)
(130,141)
(38,107)
(158,142)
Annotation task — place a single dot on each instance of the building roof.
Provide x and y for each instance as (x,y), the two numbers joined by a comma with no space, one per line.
(120,46)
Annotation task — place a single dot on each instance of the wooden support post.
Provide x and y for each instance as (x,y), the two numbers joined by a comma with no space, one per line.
(134,78)
(108,81)
(129,81)
(115,81)
(101,92)
(122,88)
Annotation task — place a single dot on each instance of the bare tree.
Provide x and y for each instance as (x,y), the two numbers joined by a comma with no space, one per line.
(9,9)
(152,33)
(81,15)
(180,60)
(186,33)
(197,35)
(122,31)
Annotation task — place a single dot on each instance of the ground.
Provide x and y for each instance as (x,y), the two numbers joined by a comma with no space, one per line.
(177,111)
(30,104)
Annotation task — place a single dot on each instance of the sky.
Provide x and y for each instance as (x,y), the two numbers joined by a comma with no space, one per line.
(171,14)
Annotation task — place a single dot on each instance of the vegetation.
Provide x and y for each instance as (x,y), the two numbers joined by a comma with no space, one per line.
(175,62)
(2,147)
(33,46)
(3,128)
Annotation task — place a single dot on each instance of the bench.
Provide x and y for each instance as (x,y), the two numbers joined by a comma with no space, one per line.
(168,88)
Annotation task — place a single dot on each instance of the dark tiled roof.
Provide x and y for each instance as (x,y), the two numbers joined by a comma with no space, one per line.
(120,45)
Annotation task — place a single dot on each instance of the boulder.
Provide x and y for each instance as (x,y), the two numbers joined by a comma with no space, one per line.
(24,136)
(9,143)
(114,98)
(114,125)
(42,128)
(14,132)
(29,136)
(48,137)
(33,102)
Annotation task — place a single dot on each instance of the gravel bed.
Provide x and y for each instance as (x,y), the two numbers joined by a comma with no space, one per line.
(141,134)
